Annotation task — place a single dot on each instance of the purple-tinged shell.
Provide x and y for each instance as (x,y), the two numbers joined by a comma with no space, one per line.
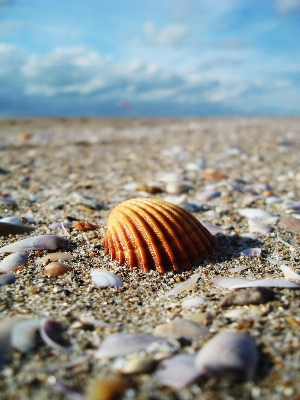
(9,263)
(291,205)
(42,242)
(256,227)
(229,355)
(251,252)
(290,224)
(71,392)
(6,327)
(178,371)
(121,344)
(51,333)
(254,213)
(238,283)
(213,229)
(101,277)
(58,225)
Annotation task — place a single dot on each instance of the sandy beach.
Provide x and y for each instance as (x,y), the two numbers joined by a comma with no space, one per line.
(68,170)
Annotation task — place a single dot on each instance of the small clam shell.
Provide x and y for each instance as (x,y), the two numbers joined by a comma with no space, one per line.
(230,355)
(254,213)
(51,333)
(9,263)
(43,242)
(120,344)
(153,234)
(180,328)
(101,277)
(251,252)
(178,371)
(56,268)
(59,256)
(193,302)
(24,335)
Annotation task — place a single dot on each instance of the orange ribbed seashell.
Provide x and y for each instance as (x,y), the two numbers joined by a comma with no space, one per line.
(153,234)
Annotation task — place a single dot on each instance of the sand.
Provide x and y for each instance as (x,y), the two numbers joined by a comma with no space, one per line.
(49,165)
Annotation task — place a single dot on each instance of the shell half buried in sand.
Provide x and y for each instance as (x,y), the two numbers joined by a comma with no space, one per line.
(152,234)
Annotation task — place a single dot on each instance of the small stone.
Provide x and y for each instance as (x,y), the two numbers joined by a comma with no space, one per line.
(258,295)
(56,268)
(108,388)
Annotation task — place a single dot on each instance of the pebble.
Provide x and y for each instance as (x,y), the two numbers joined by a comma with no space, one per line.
(258,295)
(56,268)
(8,279)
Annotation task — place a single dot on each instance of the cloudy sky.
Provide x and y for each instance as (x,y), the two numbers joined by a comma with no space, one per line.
(149,58)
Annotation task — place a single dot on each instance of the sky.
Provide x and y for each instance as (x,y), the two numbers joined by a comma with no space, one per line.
(158,58)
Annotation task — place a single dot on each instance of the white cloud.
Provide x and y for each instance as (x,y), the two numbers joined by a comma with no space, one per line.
(168,36)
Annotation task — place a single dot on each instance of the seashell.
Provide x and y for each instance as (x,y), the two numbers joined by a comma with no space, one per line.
(83,226)
(289,273)
(254,213)
(12,220)
(289,223)
(69,391)
(291,205)
(121,344)
(213,175)
(208,195)
(177,188)
(13,229)
(7,201)
(9,263)
(8,279)
(50,332)
(178,371)
(230,355)
(258,295)
(24,335)
(256,227)
(108,388)
(181,328)
(181,287)
(101,277)
(193,302)
(58,225)
(59,256)
(6,326)
(153,234)
(43,242)
(56,268)
(239,283)
(213,229)
(238,269)
(236,314)
(251,252)
(137,365)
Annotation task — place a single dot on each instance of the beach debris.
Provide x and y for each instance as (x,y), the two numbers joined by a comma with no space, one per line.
(256,295)
(14,220)
(177,187)
(213,175)
(273,200)
(239,283)
(198,165)
(189,284)
(51,333)
(13,229)
(102,277)
(208,195)
(153,234)
(254,213)
(229,355)
(24,334)
(42,242)
(214,229)
(70,391)
(249,199)
(137,365)
(181,328)
(9,263)
(290,224)
(178,371)
(121,344)
(60,225)
(289,273)
(251,252)
(191,302)
(255,226)
(108,388)
(83,226)
(238,269)
(183,202)
(291,205)
(236,313)
(6,326)
(58,256)
(8,279)
(56,268)
(7,201)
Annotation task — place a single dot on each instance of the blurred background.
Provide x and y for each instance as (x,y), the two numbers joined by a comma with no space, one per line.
(136,58)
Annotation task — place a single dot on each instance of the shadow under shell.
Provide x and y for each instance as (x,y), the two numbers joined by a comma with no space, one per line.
(154,234)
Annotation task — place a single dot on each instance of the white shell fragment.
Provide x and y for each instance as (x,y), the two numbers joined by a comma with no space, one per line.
(289,273)
(251,252)
(6,326)
(257,227)
(213,229)
(51,333)
(187,285)
(193,302)
(43,242)
(181,328)
(238,283)
(24,335)
(101,277)
(120,344)
(9,263)
(254,213)
(59,256)
(178,371)
(230,355)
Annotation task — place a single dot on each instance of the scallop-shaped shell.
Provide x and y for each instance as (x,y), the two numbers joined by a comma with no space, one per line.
(154,234)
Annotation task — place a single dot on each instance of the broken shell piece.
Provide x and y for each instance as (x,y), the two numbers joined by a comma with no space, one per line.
(24,335)
(290,224)
(153,234)
(9,263)
(239,283)
(257,227)
(254,213)
(13,229)
(259,295)
(193,302)
(6,327)
(51,333)
(189,284)
(101,277)
(56,268)
(181,328)
(289,273)
(43,242)
(177,188)
(178,371)
(59,256)
(120,344)
(230,355)
(8,279)
(213,229)
(251,252)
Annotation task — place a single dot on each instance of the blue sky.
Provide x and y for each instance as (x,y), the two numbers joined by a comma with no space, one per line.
(137,58)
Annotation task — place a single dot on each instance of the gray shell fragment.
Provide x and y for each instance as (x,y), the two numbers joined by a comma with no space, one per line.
(24,335)
(43,242)
(230,355)
(8,279)
(9,263)
(258,295)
